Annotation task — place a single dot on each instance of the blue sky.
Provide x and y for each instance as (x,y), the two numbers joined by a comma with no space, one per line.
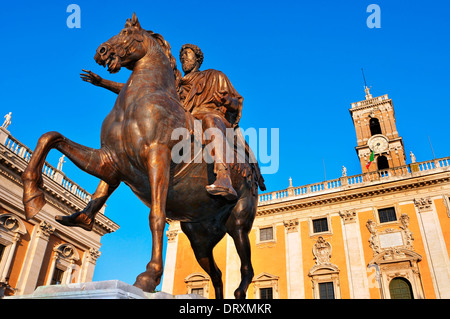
(296,63)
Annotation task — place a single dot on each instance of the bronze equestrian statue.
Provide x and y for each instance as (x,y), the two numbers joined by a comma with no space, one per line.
(136,147)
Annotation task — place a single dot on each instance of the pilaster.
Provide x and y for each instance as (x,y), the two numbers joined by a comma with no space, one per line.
(171,258)
(87,268)
(294,262)
(434,243)
(33,259)
(358,283)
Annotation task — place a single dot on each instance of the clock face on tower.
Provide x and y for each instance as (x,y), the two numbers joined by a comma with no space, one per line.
(378,143)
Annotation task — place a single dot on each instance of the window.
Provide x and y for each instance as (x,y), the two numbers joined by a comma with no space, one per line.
(326,290)
(265,286)
(387,215)
(57,276)
(197,291)
(2,249)
(400,288)
(382,163)
(266,234)
(320,225)
(266,293)
(375,127)
(197,283)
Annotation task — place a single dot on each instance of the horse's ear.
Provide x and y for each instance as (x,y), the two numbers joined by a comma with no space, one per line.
(135,21)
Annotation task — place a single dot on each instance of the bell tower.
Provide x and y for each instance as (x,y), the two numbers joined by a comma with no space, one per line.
(379,146)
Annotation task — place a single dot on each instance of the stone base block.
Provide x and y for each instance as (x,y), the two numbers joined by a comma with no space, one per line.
(110,289)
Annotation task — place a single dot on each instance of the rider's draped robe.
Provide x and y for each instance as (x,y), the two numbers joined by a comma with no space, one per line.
(196,91)
(197,94)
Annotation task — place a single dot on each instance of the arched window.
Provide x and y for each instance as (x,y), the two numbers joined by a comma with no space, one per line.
(382,162)
(400,288)
(198,283)
(374,125)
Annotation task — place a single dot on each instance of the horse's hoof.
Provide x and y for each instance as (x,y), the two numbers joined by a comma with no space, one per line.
(33,203)
(239,294)
(145,282)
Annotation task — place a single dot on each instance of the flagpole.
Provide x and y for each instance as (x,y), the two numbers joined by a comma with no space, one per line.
(432,151)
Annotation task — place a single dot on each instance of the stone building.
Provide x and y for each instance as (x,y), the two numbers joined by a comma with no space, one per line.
(41,251)
(382,234)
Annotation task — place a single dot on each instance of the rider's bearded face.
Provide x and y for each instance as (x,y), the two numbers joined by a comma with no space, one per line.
(188,60)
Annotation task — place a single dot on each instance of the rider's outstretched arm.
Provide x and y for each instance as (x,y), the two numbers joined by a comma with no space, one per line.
(97,80)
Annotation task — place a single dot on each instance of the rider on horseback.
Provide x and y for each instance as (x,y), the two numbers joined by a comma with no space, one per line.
(211,98)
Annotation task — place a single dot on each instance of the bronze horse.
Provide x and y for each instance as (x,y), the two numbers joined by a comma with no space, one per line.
(136,149)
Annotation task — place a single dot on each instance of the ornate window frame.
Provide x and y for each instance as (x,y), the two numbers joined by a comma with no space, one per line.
(395,259)
(64,258)
(11,230)
(265,280)
(324,270)
(197,280)
(395,263)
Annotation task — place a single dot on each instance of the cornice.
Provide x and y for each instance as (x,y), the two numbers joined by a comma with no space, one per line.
(367,104)
(349,194)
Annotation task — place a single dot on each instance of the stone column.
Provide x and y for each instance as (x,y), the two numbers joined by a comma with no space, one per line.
(68,273)
(52,269)
(435,247)
(87,268)
(294,262)
(169,264)
(358,282)
(33,259)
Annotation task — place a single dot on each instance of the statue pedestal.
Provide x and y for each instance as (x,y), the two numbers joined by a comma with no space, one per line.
(110,289)
(4,134)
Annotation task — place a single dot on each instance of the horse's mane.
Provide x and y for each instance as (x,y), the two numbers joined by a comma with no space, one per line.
(165,46)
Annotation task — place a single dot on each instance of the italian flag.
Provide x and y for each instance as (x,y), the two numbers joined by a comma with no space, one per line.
(370,160)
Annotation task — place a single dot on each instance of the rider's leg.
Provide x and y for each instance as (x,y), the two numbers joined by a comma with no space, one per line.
(215,130)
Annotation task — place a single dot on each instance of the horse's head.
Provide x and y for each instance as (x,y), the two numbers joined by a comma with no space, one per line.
(124,49)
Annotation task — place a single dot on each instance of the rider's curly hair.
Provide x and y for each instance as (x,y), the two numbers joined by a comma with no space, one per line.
(196,49)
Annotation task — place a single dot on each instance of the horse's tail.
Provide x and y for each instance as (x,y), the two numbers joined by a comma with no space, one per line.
(259,179)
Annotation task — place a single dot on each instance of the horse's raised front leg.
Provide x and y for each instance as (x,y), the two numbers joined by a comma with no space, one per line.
(92,161)
(158,164)
(86,218)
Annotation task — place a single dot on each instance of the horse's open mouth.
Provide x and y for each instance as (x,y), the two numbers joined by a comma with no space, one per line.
(113,63)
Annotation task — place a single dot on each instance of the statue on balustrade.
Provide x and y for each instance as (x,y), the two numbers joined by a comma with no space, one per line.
(209,199)
(7,121)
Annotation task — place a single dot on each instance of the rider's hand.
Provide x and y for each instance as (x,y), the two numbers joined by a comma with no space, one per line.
(91,77)
(221,98)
